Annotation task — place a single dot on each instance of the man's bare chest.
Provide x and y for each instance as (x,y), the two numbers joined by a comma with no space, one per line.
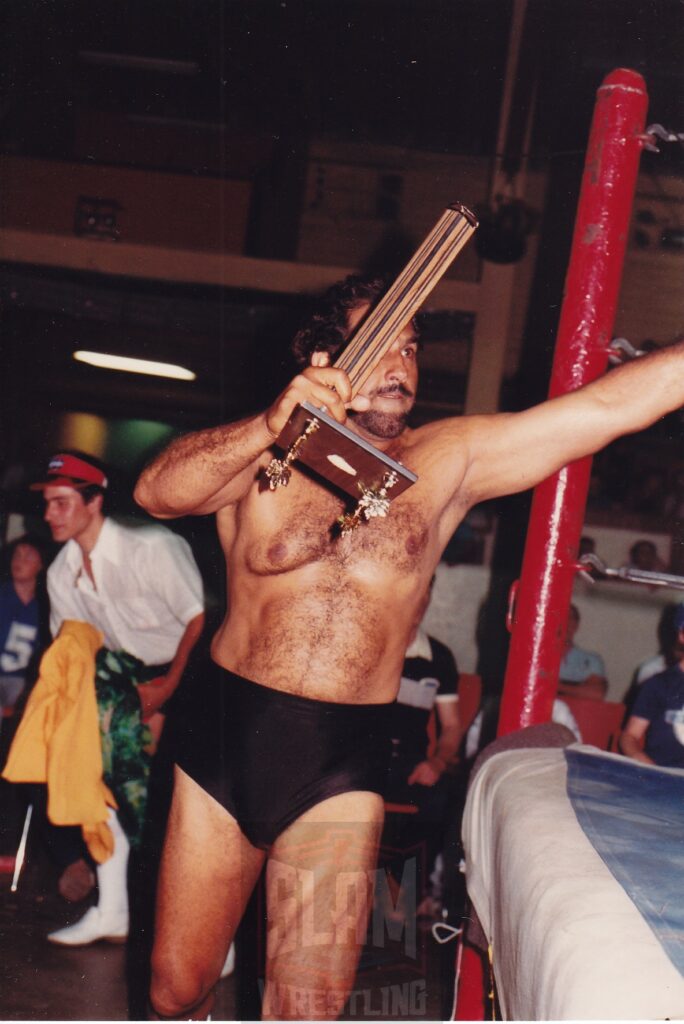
(298,525)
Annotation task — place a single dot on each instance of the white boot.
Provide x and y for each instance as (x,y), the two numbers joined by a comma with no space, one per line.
(109,919)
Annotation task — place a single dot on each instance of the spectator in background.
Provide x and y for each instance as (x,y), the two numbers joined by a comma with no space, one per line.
(417,776)
(429,680)
(582,673)
(24,634)
(654,733)
(643,555)
(23,617)
(667,645)
(140,587)
(656,663)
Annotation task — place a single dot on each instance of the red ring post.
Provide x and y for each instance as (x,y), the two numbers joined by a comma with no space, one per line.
(591,292)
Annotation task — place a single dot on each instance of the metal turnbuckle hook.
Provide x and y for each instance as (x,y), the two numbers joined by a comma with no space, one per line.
(593,568)
(657,131)
(621,350)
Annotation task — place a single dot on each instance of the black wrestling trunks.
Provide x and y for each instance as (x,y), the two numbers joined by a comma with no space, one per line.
(281,753)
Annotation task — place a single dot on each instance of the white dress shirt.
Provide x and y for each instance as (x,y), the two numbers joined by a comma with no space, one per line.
(147,589)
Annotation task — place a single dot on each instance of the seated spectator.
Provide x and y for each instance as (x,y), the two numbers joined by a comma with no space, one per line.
(24,634)
(654,733)
(22,606)
(582,673)
(429,680)
(666,656)
(411,769)
(643,555)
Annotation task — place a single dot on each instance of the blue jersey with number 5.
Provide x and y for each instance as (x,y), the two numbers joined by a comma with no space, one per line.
(18,631)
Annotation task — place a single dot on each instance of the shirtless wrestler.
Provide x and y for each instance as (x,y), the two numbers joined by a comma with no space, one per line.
(315,636)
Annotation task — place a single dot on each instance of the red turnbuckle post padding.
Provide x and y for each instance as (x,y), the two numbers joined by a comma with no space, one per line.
(584,332)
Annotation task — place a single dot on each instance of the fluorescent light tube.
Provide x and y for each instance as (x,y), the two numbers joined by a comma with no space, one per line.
(129,365)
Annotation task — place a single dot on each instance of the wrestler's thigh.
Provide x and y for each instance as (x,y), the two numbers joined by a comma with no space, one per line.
(319,892)
(208,870)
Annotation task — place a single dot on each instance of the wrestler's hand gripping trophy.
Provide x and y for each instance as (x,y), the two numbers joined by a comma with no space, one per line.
(329,448)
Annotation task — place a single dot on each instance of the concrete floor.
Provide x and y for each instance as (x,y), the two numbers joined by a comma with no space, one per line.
(39,981)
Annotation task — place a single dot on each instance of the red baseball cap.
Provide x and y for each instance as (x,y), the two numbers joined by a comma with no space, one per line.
(71,471)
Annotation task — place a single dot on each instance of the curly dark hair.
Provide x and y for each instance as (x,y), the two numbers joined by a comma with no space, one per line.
(326,328)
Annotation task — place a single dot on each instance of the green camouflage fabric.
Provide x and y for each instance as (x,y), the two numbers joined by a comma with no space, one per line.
(125,763)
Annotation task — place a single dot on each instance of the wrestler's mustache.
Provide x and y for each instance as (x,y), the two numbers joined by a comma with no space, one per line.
(392,389)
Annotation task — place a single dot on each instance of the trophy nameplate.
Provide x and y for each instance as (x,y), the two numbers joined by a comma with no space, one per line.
(341,456)
(329,448)
(344,459)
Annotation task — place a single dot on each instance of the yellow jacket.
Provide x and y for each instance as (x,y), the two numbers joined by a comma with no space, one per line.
(58,738)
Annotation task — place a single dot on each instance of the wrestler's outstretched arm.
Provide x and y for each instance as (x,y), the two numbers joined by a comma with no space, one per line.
(510,452)
(209,469)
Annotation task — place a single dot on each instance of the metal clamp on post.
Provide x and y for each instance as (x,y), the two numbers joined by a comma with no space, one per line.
(656,131)
(621,350)
(594,569)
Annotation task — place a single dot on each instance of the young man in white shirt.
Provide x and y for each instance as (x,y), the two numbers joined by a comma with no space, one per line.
(141,587)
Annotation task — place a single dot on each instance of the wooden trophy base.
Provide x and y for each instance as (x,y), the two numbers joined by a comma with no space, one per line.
(344,459)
